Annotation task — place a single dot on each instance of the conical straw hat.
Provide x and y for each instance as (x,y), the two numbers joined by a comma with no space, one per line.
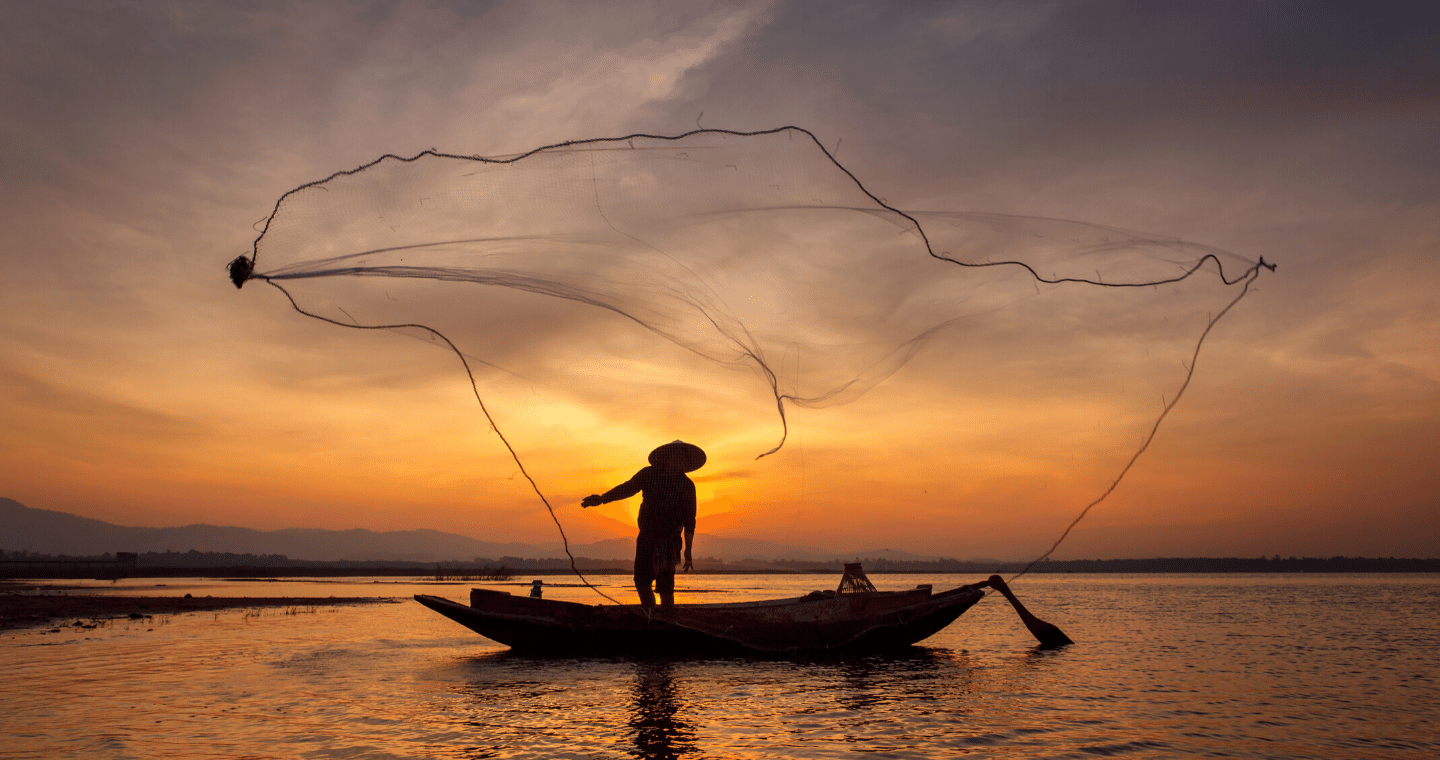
(687,456)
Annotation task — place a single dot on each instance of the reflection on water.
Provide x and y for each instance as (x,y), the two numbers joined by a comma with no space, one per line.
(1307,667)
(915,701)
(659,727)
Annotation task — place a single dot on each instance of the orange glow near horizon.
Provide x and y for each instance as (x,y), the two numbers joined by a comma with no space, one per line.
(905,467)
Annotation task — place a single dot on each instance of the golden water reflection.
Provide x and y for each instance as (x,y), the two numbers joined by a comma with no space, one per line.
(672,708)
(1332,668)
(658,724)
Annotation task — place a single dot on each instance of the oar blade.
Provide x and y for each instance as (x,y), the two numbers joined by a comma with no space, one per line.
(1050,636)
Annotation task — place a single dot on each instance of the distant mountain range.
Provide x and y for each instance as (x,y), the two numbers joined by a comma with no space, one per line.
(48,532)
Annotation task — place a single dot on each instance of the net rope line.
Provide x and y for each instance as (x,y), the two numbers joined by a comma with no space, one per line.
(646,613)
(1251,275)
(242,269)
(476,389)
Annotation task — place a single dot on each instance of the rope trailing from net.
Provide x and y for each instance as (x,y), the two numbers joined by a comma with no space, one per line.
(474,387)
(1249,277)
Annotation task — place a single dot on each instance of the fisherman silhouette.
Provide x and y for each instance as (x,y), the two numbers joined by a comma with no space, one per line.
(666,510)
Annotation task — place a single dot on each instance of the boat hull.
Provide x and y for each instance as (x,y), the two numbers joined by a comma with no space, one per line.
(817,624)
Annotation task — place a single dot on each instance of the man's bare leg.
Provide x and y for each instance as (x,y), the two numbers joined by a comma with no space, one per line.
(665,586)
(647,597)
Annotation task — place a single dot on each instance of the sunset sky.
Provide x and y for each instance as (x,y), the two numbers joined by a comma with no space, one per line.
(144,145)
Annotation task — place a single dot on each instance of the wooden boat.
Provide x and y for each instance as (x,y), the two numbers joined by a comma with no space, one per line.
(823,622)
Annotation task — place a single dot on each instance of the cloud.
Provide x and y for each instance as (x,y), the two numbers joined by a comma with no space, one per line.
(40,405)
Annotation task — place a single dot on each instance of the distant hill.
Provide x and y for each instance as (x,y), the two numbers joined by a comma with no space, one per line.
(45,531)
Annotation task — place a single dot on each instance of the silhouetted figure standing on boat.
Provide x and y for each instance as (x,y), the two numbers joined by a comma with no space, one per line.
(666,511)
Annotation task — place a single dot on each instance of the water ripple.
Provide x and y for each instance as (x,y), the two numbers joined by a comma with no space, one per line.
(1222,666)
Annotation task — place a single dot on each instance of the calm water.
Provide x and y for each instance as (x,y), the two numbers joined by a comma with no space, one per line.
(1166,666)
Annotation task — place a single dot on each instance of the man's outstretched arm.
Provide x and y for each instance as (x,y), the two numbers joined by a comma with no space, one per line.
(623,491)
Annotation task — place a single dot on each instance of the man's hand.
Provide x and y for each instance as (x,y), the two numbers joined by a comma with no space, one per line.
(593,500)
(689,563)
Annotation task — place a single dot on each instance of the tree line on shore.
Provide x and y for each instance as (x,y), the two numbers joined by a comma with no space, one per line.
(23,563)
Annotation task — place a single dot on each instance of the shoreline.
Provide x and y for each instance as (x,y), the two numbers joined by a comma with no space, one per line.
(40,610)
(483,571)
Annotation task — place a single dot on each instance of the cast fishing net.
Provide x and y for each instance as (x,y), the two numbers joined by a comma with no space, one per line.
(754,252)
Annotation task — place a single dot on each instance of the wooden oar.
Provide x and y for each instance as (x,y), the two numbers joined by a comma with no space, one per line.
(1047,634)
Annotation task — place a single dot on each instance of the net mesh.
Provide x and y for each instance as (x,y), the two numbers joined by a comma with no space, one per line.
(752,251)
